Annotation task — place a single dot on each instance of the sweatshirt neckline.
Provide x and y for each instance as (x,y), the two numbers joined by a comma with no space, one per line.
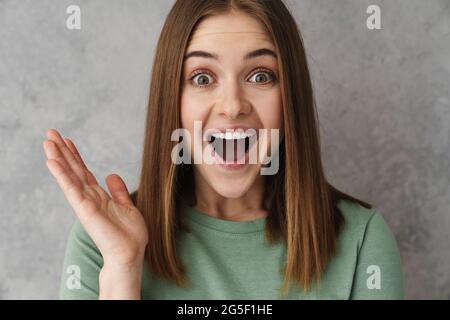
(227,226)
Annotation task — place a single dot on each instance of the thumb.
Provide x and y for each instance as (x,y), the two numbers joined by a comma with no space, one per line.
(118,190)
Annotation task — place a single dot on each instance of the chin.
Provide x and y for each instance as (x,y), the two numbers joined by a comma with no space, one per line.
(230,191)
(231,184)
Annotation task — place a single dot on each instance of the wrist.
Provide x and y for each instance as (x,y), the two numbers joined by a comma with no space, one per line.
(120,281)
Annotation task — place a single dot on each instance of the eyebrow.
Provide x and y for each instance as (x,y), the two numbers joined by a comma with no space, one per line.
(250,55)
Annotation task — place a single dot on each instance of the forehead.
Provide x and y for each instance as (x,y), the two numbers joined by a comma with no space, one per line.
(234,26)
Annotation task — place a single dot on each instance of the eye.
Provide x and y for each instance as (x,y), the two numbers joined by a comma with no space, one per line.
(201,79)
(262,76)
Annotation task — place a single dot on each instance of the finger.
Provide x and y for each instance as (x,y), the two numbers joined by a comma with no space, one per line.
(54,135)
(86,210)
(118,190)
(53,152)
(69,187)
(69,143)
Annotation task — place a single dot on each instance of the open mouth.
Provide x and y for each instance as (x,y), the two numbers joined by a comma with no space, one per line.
(232,146)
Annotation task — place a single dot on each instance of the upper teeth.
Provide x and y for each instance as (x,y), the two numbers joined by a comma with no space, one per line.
(232,135)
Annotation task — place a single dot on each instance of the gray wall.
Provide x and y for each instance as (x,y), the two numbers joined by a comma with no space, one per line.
(383,101)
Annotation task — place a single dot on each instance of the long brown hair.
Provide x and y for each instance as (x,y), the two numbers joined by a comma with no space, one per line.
(302,205)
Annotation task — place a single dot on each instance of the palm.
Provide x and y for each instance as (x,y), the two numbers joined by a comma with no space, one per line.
(114,223)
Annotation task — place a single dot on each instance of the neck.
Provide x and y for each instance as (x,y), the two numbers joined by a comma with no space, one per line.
(249,206)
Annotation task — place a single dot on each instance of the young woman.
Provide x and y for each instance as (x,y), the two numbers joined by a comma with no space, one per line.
(224,231)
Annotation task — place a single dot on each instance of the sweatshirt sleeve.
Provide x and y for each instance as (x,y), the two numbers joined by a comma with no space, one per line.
(379,272)
(81,267)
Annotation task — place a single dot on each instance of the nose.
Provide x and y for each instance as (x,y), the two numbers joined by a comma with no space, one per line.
(232,103)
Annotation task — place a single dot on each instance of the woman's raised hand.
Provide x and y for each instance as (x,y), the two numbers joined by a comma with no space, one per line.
(114,224)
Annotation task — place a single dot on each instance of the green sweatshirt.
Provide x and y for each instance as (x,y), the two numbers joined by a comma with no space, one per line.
(229,260)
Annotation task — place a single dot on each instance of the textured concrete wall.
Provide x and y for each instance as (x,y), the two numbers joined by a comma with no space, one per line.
(383,100)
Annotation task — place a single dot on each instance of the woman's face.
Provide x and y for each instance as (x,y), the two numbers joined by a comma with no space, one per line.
(224,87)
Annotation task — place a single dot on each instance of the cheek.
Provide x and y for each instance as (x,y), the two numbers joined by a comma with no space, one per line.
(270,111)
(192,109)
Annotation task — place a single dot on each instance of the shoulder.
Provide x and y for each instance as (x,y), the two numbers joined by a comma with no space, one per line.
(81,267)
(364,226)
(81,248)
(78,236)
(378,269)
